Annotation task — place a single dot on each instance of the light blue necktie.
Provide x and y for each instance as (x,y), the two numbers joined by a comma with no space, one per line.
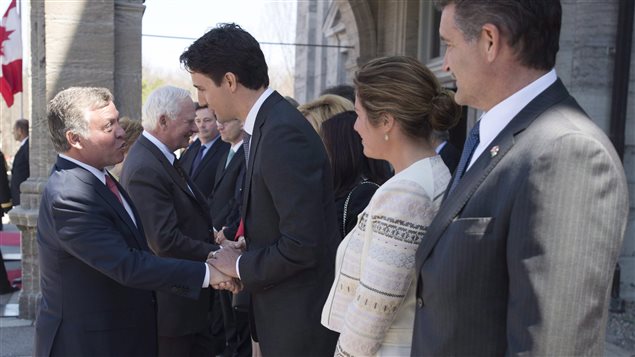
(471,142)
(230,155)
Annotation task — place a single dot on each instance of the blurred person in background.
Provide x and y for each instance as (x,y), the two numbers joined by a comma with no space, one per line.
(319,110)
(355,176)
(133,129)
(20,169)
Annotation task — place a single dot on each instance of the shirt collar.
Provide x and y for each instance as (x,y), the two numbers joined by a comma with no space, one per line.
(23,141)
(162,147)
(440,147)
(497,118)
(250,121)
(211,142)
(235,147)
(100,174)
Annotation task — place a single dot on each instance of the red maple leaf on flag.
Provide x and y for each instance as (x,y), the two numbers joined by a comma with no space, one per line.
(4,35)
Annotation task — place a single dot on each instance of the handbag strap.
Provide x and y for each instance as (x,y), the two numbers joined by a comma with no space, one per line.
(348,198)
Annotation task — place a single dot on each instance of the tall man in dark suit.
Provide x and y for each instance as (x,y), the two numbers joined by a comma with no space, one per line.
(288,207)
(201,160)
(520,256)
(96,272)
(174,213)
(20,168)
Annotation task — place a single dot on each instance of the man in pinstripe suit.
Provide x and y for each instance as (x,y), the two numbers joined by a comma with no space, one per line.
(520,257)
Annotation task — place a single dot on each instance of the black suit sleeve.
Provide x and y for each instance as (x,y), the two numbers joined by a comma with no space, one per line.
(85,231)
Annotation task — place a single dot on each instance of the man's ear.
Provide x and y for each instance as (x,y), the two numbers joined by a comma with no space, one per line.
(491,41)
(231,80)
(73,139)
(163,121)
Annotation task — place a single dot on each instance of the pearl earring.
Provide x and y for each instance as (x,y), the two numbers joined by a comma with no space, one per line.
(386,136)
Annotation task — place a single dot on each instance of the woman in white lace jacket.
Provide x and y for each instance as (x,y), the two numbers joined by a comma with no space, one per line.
(371,303)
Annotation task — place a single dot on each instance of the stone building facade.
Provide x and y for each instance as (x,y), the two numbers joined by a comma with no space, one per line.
(589,53)
(71,43)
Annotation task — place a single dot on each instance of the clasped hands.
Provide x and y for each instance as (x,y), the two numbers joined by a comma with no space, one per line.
(222,265)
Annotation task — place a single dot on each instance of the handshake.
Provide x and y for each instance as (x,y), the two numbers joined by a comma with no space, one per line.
(222,266)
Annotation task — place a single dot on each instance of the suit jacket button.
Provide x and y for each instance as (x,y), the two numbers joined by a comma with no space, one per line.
(419,303)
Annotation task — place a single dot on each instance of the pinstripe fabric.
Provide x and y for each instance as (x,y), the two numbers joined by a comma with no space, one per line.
(520,256)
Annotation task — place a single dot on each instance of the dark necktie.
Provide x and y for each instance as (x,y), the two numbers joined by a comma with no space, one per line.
(179,169)
(112,186)
(468,150)
(198,159)
(246,139)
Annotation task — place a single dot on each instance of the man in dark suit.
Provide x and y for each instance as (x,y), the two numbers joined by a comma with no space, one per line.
(443,147)
(5,201)
(201,160)
(288,207)
(520,257)
(96,272)
(229,182)
(226,201)
(202,157)
(20,168)
(174,213)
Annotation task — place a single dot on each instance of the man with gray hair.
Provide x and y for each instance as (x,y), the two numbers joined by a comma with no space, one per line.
(97,274)
(174,212)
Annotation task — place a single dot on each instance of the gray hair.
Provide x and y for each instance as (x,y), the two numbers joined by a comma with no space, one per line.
(163,101)
(67,112)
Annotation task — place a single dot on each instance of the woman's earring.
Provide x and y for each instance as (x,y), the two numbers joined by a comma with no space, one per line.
(386,136)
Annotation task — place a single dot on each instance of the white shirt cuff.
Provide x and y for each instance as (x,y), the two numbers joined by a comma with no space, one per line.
(206,281)
(237,261)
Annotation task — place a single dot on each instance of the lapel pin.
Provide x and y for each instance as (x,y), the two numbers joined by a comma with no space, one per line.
(494,151)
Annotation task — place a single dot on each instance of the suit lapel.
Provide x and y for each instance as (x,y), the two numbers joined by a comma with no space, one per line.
(263,113)
(167,167)
(100,188)
(187,159)
(483,166)
(222,170)
(209,155)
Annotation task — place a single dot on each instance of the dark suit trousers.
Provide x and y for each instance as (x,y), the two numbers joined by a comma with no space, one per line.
(195,345)
(236,328)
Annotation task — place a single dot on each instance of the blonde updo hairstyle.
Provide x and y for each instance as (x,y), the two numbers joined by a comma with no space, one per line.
(404,88)
(323,108)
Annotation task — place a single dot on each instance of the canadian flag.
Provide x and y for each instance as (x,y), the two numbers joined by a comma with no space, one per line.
(10,53)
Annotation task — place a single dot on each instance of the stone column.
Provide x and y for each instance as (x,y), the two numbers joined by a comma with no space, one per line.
(128,15)
(73,43)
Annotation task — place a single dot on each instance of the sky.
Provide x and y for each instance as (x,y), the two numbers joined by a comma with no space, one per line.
(266,20)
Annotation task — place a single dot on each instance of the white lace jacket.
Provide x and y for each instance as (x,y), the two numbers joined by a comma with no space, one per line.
(372,299)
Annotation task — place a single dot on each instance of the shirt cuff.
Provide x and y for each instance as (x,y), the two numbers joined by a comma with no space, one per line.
(238,271)
(206,281)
